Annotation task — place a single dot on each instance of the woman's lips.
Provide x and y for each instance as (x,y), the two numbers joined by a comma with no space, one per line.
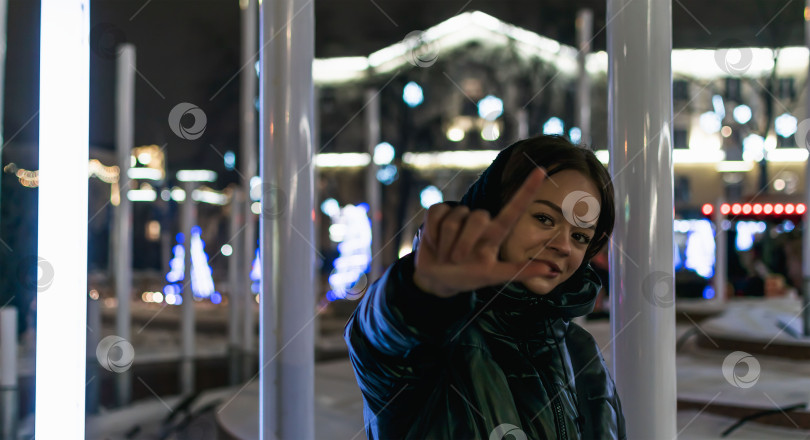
(554,270)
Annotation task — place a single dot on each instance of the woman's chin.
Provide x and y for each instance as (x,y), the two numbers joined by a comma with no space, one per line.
(539,285)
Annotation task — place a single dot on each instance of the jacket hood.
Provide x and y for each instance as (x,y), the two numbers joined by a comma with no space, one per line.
(574,297)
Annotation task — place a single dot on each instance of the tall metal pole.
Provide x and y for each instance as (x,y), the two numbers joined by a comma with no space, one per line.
(584,37)
(316,140)
(166,238)
(236,286)
(806,217)
(3,15)
(373,193)
(250,361)
(93,366)
(125,141)
(187,216)
(721,254)
(287,376)
(523,123)
(639,43)
(9,393)
(248,86)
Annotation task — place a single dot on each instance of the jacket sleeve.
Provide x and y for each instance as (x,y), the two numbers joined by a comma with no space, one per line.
(397,332)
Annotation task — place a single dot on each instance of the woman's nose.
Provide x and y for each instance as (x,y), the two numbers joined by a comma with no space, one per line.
(559,242)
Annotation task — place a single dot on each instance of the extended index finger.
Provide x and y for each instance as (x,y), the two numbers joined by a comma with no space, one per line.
(512,211)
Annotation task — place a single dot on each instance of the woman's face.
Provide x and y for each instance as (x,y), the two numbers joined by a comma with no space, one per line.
(555,229)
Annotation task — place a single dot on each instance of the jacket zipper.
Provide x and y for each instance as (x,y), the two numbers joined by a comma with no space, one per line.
(562,433)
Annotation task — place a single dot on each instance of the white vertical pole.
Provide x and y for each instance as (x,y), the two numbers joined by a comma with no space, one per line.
(806,217)
(124,142)
(8,373)
(373,193)
(250,362)
(64,90)
(523,123)
(248,85)
(3,15)
(639,42)
(286,402)
(93,367)
(187,217)
(316,224)
(236,290)
(584,36)
(721,254)
(166,239)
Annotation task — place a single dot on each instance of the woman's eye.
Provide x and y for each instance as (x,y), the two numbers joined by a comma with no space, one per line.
(544,219)
(584,239)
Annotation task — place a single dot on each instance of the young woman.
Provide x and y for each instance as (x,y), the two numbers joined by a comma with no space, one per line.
(469,336)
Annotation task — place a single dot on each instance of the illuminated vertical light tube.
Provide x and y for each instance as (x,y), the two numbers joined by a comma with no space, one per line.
(64,83)
(806,216)
(235,289)
(584,37)
(286,336)
(124,142)
(8,373)
(372,185)
(187,216)
(721,254)
(639,43)
(248,85)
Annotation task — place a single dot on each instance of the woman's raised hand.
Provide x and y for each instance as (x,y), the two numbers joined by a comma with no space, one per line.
(459,248)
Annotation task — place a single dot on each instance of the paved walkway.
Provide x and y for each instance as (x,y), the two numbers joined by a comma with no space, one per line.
(339,407)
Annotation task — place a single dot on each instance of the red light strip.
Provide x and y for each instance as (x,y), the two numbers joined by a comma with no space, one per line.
(707,209)
(747,208)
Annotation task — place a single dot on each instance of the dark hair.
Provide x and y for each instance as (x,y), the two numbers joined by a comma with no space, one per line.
(555,154)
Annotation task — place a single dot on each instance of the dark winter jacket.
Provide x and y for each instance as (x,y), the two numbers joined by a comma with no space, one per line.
(484,364)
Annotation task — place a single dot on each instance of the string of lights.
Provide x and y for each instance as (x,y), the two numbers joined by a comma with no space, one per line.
(27,178)
(30,178)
